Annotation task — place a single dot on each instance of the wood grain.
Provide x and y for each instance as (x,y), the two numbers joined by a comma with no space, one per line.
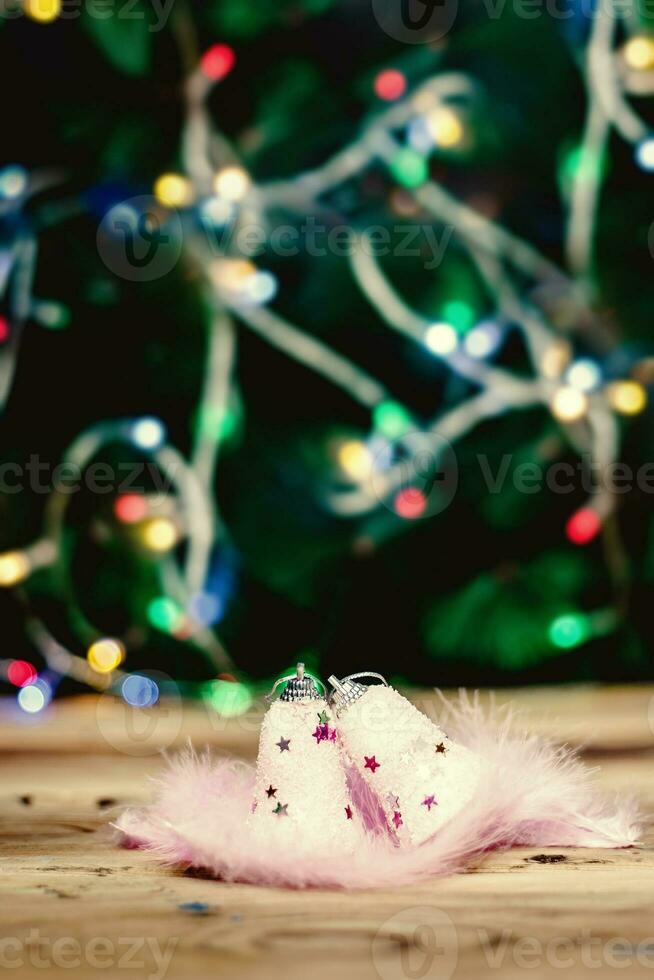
(117,912)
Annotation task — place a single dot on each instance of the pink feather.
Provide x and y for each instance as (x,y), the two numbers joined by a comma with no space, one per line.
(532,793)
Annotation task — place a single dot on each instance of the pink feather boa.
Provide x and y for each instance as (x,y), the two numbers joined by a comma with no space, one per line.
(532,793)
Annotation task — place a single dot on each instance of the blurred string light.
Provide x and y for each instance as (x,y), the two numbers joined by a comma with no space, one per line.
(159,534)
(231,183)
(400,137)
(148,433)
(21,672)
(569,404)
(173,190)
(584,374)
(105,655)
(217,62)
(583,526)
(441,339)
(139,691)
(5,331)
(228,698)
(570,630)
(390,84)
(35,696)
(638,52)
(42,11)
(627,397)
(13,182)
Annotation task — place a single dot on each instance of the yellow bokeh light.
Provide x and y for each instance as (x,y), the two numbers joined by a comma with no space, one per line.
(105,655)
(14,568)
(173,190)
(569,404)
(445,127)
(354,459)
(627,397)
(639,53)
(231,183)
(42,11)
(160,534)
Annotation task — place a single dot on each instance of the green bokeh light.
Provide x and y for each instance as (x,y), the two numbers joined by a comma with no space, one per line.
(409,168)
(569,630)
(460,314)
(164,613)
(392,420)
(228,698)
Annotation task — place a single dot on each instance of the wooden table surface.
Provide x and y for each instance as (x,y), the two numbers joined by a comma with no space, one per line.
(74,902)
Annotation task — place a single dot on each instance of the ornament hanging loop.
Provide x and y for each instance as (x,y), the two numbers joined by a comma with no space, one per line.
(299,686)
(346,691)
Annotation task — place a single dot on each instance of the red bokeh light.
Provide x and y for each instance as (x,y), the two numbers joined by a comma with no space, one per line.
(131,508)
(583,526)
(390,84)
(217,61)
(20,673)
(410,503)
(4,330)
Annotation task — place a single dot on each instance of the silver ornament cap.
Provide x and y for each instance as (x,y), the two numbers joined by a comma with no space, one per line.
(347,690)
(299,687)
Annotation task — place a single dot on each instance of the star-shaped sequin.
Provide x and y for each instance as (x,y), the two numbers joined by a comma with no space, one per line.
(323,717)
(371,763)
(393,801)
(440,749)
(429,802)
(281,811)
(324,733)
(271,791)
(348,812)
(397,819)
(283,744)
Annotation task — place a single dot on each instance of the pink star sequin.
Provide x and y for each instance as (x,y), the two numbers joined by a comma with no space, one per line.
(324,733)
(397,819)
(429,802)
(371,763)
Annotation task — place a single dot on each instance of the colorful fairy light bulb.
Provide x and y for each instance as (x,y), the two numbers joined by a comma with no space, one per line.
(459,313)
(231,183)
(569,630)
(53,316)
(583,526)
(21,672)
(441,339)
(5,331)
(584,374)
(139,691)
(105,655)
(409,168)
(445,127)
(148,433)
(261,287)
(645,153)
(206,608)
(131,508)
(228,698)
(355,459)
(217,62)
(34,697)
(42,11)
(569,404)
(638,52)
(13,182)
(173,190)
(14,568)
(390,84)
(483,340)
(410,503)
(627,397)
(159,535)
(391,419)
(164,614)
